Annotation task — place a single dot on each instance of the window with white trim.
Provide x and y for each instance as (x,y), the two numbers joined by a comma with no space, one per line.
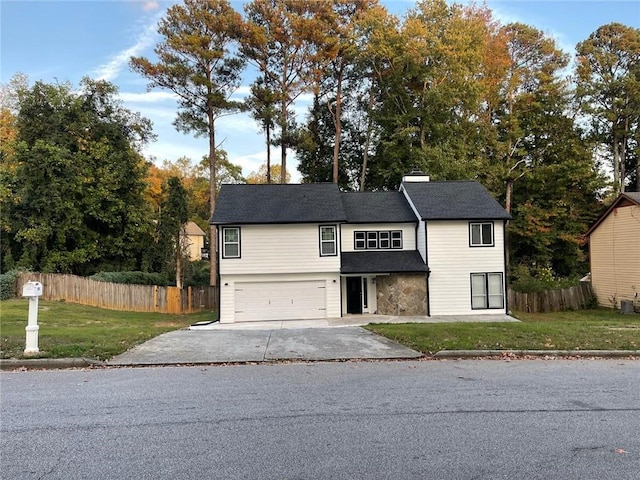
(231,242)
(487,291)
(481,234)
(377,240)
(328,241)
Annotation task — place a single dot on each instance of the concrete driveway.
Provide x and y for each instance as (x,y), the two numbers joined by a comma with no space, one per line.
(262,345)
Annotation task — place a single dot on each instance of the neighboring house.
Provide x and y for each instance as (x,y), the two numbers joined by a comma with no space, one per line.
(193,240)
(310,251)
(614,252)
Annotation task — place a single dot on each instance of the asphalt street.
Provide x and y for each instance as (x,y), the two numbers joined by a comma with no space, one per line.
(470,419)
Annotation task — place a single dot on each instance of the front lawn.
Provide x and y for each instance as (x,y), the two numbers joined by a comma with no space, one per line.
(598,329)
(69,330)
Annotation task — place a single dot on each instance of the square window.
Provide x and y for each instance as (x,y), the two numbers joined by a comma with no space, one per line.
(396,239)
(372,240)
(481,234)
(384,240)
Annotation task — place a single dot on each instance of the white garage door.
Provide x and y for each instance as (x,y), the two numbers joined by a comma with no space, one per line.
(280,301)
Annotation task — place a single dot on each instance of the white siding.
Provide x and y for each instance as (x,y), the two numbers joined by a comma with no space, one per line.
(266,249)
(408,233)
(422,240)
(451,261)
(228,290)
(421,233)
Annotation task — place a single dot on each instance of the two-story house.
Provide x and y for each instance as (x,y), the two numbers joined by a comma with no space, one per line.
(310,251)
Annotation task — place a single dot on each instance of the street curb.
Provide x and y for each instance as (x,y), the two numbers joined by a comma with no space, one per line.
(63,363)
(48,363)
(536,353)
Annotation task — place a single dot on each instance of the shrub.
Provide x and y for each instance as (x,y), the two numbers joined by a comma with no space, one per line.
(8,285)
(197,274)
(135,278)
(528,280)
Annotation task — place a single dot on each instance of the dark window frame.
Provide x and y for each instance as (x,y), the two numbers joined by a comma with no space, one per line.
(487,295)
(321,242)
(482,243)
(225,243)
(393,239)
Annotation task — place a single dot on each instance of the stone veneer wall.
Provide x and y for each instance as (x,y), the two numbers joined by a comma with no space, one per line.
(402,294)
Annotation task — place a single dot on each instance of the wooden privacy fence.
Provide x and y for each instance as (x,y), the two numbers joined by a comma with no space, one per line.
(572,298)
(120,296)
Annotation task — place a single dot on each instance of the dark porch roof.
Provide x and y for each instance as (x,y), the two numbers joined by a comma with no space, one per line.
(383,261)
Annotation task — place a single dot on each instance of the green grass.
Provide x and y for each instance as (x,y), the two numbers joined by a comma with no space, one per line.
(599,329)
(69,330)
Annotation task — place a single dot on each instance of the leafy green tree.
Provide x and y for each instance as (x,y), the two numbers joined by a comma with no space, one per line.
(76,204)
(198,61)
(171,250)
(608,76)
(263,106)
(260,177)
(281,40)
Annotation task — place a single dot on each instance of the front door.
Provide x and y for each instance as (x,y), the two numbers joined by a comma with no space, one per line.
(354,294)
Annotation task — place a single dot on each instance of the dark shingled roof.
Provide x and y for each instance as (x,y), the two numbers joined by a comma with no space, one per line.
(291,203)
(383,261)
(633,195)
(377,207)
(455,200)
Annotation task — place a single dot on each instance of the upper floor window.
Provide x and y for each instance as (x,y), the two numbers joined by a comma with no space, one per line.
(328,241)
(377,240)
(481,234)
(231,242)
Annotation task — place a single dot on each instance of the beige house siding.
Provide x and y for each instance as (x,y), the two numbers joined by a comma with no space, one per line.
(193,240)
(614,248)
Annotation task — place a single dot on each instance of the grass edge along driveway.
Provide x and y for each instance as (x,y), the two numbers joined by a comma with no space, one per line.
(70,330)
(596,329)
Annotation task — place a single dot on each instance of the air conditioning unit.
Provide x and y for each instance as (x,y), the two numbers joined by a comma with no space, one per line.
(626,306)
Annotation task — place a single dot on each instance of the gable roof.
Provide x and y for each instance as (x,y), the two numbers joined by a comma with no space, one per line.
(400,261)
(454,200)
(275,203)
(625,199)
(192,228)
(377,207)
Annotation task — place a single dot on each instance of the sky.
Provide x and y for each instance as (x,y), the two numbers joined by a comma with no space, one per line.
(65,40)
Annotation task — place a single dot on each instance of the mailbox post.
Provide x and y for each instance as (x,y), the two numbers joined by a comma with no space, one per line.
(33,291)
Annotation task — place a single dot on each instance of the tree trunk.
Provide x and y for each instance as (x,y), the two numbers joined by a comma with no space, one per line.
(367,142)
(507,197)
(283,144)
(338,123)
(213,244)
(268,135)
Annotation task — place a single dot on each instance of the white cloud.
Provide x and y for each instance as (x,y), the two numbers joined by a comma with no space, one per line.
(150,6)
(147,97)
(110,70)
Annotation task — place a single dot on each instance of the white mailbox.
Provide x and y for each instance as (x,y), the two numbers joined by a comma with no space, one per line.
(32,289)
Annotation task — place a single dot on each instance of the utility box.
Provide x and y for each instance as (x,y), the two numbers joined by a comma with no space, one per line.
(32,289)
(626,306)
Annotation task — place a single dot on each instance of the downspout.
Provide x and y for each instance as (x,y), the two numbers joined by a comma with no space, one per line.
(426,261)
(506,273)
